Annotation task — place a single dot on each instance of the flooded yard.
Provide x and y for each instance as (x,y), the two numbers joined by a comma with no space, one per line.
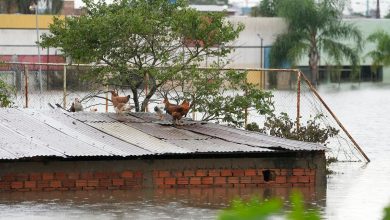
(354,191)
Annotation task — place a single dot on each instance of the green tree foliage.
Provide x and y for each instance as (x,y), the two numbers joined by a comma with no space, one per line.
(156,40)
(266,8)
(315,27)
(5,94)
(213,93)
(381,54)
(283,126)
(146,35)
(257,209)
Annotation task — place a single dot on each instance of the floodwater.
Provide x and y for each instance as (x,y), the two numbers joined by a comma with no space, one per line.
(355,191)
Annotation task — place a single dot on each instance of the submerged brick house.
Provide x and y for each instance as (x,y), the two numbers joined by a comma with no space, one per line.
(60,151)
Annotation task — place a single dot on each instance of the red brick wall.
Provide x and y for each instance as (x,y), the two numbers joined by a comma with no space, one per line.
(60,181)
(130,179)
(233,178)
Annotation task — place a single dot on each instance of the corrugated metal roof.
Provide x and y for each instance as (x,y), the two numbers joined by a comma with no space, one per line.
(215,145)
(86,133)
(148,117)
(97,117)
(15,144)
(153,117)
(251,138)
(30,133)
(226,135)
(5,155)
(22,123)
(138,138)
(166,132)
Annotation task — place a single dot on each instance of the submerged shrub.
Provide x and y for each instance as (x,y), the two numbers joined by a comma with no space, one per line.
(257,209)
(283,126)
(5,94)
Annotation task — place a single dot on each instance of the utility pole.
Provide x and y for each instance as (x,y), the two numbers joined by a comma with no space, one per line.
(262,76)
(36,8)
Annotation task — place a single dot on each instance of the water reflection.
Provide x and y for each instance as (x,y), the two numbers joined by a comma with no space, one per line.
(355,191)
(141,204)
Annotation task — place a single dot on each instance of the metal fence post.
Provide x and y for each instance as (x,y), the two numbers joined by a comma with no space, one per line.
(106,98)
(298,99)
(26,84)
(64,98)
(245,113)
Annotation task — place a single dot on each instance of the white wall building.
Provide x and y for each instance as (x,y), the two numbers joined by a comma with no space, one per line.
(21,41)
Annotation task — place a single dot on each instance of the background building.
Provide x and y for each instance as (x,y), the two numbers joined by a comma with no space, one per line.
(18,37)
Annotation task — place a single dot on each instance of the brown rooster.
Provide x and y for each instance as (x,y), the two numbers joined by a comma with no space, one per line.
(177,111)
(119,102)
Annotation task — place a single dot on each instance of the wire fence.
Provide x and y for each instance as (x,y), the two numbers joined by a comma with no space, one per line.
(38,85)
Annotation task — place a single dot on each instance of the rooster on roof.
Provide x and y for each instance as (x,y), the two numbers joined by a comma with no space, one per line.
(177,111)
(120,102)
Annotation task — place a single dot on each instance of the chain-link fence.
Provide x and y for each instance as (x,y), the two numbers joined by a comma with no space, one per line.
(295,96)
(43,86)
(40,86)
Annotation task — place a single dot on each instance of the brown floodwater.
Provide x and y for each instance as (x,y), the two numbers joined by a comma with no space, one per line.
(355,191)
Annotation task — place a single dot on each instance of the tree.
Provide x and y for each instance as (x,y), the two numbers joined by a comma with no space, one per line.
(315,27)
(266,8)
(146,35)
(381,54)
(222,96)
(158,42)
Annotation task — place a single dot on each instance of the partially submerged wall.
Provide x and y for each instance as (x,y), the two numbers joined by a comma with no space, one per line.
(279,170)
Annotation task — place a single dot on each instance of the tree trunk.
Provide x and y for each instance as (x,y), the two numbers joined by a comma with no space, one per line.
(135,98)
(147,98)
(313,63)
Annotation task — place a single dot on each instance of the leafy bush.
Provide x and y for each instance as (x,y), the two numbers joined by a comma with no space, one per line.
(257,209)
(387,213)
(283,126)
(5,94)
